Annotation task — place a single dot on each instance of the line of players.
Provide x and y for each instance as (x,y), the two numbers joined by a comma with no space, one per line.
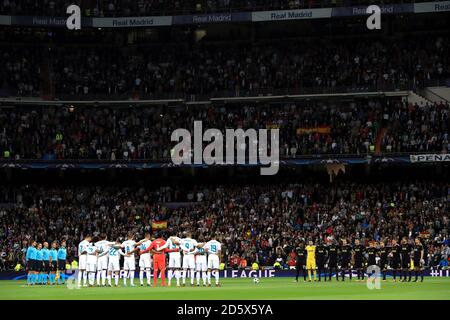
(99,260)
(43,262)
(402,259)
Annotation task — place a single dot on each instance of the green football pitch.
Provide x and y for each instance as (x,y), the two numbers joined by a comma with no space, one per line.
(267,288)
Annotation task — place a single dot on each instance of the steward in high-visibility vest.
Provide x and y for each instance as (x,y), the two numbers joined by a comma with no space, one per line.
(255,266)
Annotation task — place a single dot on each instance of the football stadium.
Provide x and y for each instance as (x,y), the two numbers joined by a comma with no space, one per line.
(224,150)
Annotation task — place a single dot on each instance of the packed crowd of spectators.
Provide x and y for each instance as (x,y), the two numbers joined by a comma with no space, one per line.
(360,127)
(226,69)
(251,68)
(123,8)
(254,222)
(418,129)
(21,71)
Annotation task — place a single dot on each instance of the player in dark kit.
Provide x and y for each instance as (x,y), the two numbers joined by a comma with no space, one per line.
(382,263)
(405,253)
(395,259)
(333,260)
(418,259)
(321,259)
(345,254)
(358,257)
(371,254)
(300,262)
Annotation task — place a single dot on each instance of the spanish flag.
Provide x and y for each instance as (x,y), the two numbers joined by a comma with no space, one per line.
(320,130)
(424,235)
(159,225)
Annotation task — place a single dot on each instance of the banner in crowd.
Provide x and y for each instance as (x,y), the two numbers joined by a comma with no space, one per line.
(159,225)
(424,7)
(424,235)
(430,157)
(212,18)
(40,21)
(5,20)
(320,130)
(131,22)
(229,273)
(280,15)
(361,10)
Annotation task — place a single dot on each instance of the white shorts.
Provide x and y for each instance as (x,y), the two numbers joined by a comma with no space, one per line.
(91,267)
(129,263)
(82,262)
(200,264)
(174,261)
(102,263)
(113,265)
(145,262)
(188,261)
(213,262)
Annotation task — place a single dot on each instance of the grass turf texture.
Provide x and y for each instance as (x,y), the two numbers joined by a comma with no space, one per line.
(268,288)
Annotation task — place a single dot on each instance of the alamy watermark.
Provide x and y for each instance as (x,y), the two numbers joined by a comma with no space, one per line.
(374,20)
(73,22)
(373,279)
(241,147)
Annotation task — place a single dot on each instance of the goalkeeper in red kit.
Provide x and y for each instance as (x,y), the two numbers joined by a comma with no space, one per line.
(159,259)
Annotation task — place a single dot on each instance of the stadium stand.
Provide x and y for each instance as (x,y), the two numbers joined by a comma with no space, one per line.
(145,132)
(226,69)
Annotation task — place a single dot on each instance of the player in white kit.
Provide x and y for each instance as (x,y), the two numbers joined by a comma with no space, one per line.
(200,265)
(82,260)
(213,248)
(174,259)
(129,262)
(114,254)
(188,245)
(145,260)
(102,262)
(91,262)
